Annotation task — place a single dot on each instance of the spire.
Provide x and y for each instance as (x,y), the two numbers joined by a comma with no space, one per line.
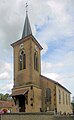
(27,28)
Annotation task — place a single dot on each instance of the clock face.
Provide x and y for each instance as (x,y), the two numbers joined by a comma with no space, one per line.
(21,46)
(36,48)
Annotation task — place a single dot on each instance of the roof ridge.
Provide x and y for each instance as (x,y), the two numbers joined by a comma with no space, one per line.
(56,83)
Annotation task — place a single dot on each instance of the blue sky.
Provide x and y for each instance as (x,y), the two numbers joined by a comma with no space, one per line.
(52,23)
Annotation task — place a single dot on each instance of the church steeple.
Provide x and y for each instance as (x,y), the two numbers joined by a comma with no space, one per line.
(27,28)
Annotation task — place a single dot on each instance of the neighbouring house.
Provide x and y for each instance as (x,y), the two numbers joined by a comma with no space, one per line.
(6,106)
(33,92)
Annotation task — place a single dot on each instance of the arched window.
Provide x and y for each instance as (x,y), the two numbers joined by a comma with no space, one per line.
(22,60)
(48,95)
(36,60)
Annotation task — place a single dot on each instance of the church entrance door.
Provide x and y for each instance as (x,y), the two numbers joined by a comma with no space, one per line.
(22,103)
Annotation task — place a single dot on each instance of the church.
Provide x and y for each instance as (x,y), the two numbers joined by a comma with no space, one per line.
(33,92)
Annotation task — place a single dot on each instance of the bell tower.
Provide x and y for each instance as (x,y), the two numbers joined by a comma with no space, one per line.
(27,70)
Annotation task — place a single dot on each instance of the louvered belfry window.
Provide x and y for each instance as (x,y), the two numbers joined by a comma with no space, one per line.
(22,60)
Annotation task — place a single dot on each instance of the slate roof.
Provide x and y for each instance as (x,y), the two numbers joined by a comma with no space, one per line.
(55,82)
(17,92)
(27,28)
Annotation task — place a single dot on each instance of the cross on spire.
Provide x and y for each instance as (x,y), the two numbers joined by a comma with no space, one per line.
(27,28)
(26,8)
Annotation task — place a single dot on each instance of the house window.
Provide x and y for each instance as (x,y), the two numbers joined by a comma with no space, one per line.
(59,97)
(22,60)
(48,95)
(36,60)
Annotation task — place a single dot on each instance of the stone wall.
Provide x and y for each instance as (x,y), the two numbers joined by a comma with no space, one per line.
(26,116)
(63,118)
(34,116)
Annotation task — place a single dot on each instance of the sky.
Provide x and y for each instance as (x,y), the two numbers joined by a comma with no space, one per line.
(52,24)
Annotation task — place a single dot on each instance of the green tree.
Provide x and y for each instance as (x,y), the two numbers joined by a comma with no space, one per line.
(1,96)
(5,96)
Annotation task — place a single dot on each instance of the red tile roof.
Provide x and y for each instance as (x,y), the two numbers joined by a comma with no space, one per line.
(6,104)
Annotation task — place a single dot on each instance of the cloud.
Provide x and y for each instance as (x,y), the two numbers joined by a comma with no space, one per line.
(45,48)
(5,70)
(4,76)
(48,17)
(59,22)
(6,88)
(49,67)
(55,76)
(5,66)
